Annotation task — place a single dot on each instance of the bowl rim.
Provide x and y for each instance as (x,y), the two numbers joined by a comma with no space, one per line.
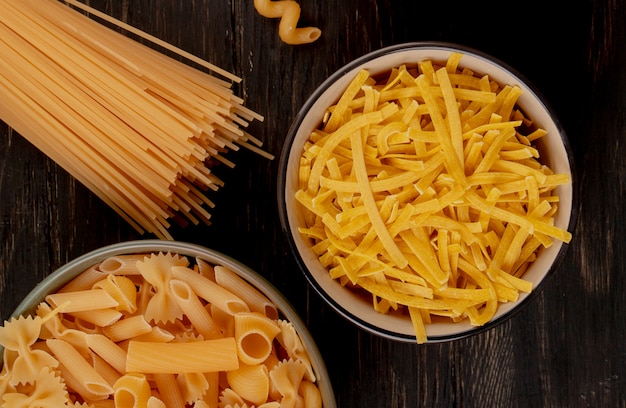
(61,276)
(283,168)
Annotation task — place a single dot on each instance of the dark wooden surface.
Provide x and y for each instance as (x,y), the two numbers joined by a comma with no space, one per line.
(567,349)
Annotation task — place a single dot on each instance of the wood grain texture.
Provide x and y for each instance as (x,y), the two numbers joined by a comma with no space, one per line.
(566,349)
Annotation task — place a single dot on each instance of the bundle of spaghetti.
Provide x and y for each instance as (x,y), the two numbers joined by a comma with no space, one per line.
(135,126)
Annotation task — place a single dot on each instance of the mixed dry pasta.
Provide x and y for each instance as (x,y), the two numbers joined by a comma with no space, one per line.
(155,330)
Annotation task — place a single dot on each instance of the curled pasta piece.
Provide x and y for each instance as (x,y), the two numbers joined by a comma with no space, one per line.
(131,390)
(289,13)
(254,334)
(252,383)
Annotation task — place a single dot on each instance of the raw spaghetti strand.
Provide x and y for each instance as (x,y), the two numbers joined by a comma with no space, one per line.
(133,125)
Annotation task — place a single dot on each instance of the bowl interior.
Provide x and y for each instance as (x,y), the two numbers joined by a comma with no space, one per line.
(554,153)
(67,272)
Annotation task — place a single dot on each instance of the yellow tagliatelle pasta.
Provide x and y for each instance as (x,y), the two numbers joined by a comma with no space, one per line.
(203,355)
(289,13)
(424,189)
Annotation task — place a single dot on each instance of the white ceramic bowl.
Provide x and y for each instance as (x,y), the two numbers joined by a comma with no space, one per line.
(67,272)
(555,153)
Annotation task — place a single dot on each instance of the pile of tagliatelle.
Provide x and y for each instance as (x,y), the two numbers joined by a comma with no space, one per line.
(425,190)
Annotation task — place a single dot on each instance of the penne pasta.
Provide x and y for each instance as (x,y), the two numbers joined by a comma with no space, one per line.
(194,310)
(205,269)
(121,264)
(84,281)
(75,364)
(211,396)
(250,295)
(168,390)
(76,386)
(110,374)
(83,300)
(210,291)
(127,328)
(108,351)
(98,318)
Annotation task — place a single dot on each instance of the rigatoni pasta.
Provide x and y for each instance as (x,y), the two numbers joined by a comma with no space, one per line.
(209,355)
(182,357)
(254,336)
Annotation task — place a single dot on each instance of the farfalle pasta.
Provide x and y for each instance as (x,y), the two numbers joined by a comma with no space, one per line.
(166,334)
